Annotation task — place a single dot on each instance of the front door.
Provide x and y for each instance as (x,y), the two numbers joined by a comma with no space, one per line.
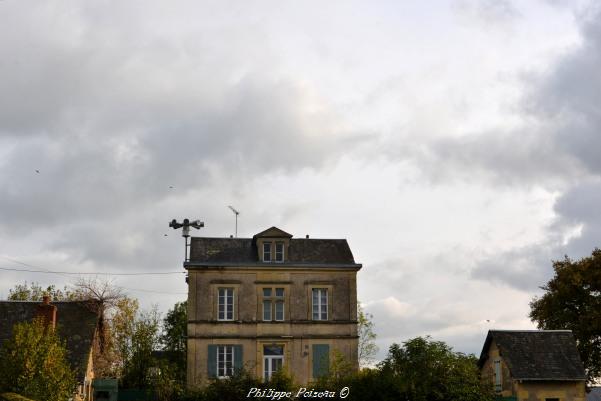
(273,360)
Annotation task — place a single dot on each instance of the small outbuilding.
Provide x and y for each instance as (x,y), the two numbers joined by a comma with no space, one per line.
(76,323)
(533,365)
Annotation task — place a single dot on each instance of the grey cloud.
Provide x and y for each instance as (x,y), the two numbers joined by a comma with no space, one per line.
(558,141)
(560,151)
(262,131)
(505,158)
(488,11)
(529,267)
(113,107)
(111,120)
(524,268)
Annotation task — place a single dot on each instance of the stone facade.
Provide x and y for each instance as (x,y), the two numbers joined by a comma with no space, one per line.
(290,311)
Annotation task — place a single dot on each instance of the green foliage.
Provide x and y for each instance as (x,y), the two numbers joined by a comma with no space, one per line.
(166,381)
(138,361)
(426,370)
(418,370)
(175,325)
(174,337)
(122,329)
(237,387)
(35,292)
(233,388)
(13,397)
(572,301)
(367,338)
(33,363)
(339,373)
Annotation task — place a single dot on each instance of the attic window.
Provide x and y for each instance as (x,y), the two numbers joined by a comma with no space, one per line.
(267,252)
(279,251)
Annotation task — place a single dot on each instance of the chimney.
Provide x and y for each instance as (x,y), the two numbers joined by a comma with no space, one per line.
(307,236)
(47,312)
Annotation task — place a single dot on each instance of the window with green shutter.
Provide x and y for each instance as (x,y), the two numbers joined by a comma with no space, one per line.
(212,361)
(223,360)
(321,360)
(238,361)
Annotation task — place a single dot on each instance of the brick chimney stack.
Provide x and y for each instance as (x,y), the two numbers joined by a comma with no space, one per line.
(47,312)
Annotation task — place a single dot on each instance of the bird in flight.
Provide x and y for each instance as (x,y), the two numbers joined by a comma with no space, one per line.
(37,171)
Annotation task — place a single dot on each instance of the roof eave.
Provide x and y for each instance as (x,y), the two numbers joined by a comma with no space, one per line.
(560,379)
(258,265)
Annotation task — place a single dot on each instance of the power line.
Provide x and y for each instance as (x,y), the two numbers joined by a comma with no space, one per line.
(71,274)
(88,273)
(153,291)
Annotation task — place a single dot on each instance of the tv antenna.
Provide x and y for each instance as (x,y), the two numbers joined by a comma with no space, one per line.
(185,226)
(236,213)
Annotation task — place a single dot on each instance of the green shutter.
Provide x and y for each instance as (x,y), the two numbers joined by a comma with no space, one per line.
(212,361)
(238,361)
(321,360)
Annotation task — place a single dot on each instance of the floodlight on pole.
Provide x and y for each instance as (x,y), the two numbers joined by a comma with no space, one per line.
(185,226)
(236,213)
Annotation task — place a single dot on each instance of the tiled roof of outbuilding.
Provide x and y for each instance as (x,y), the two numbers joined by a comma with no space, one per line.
(76,324)
(537,354)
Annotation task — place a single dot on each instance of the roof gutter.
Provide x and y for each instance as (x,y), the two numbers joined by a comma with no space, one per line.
(200,265)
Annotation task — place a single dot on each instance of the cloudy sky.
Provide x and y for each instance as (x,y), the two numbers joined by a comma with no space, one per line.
(455,144)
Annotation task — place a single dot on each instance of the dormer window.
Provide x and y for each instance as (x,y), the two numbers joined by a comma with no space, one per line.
(279,252)
(272,245)
(267,252)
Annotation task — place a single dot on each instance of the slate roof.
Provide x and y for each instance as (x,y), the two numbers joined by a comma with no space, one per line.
(207,251)
(537,354)
(76,325)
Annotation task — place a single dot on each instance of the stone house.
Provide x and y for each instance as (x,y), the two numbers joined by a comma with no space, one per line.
(535,365)
(76,323)
(270,302)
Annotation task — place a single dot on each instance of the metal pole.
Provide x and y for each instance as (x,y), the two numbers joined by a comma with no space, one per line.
(236,225)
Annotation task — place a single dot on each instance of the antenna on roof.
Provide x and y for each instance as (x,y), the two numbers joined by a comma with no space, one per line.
(236,213)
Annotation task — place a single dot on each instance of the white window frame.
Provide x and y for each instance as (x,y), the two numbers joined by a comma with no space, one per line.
(267,310)
(320,314)
(279,252)
(275,310)
(271,301)
(223,302)
(222,366)
(267,251)
(268,370)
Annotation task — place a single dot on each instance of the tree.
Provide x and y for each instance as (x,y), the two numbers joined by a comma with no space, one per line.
(137,360)
(426,370)
(572,301)
(33,363)
(367,344)
(175,327)
(174,337)
(35,292)
(122,331)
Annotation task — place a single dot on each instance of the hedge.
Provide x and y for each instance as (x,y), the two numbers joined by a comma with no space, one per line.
(13,397)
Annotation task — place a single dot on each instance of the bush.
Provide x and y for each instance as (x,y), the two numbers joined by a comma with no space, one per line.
(33,363)
(13,397)
(236,388)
